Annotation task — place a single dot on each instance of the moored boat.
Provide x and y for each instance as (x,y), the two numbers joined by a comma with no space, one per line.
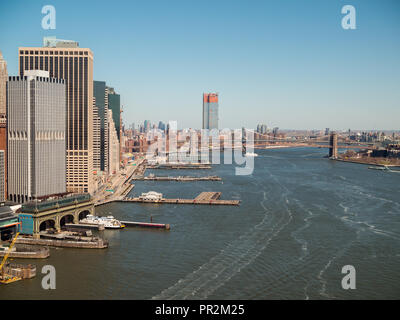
(109,222)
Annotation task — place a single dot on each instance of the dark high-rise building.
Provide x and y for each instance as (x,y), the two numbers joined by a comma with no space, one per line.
(210,110)
(114,104)
(65,60)
(100,93)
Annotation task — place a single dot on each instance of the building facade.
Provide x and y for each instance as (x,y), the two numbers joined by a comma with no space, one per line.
(100,92)
(96,139)
(36,136)
(3,120)
(114,104)
(2,177)
(65,60)
(113,157)
(210,110)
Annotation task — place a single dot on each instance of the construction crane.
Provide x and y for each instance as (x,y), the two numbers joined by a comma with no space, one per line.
(6,278)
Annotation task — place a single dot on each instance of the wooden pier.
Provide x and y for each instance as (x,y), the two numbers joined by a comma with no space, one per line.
(210,198)
(178,166)
(179,178)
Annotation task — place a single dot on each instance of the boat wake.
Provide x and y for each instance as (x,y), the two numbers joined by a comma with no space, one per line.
(237,255)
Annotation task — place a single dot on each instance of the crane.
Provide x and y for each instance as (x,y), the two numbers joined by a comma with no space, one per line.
(5,278)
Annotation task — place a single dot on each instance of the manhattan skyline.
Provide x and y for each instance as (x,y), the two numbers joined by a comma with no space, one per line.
(286,64)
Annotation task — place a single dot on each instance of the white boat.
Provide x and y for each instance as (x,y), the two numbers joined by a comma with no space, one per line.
(251,154)
(109,222)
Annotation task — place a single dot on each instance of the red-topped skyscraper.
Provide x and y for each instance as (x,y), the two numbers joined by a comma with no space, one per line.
(210,110)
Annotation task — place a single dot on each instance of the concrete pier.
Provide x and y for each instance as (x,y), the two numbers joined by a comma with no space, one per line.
(210,198)
(146,225)
(94,243)
(179,178)
(98,227)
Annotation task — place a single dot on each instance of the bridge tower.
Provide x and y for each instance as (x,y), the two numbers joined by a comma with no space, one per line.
(333,148)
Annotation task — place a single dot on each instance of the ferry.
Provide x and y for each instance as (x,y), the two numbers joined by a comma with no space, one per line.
(109,222)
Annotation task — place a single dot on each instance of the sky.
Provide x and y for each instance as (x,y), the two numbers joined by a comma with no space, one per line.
(286,63)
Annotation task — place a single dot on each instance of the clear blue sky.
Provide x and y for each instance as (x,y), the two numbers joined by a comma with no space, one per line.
(285,63)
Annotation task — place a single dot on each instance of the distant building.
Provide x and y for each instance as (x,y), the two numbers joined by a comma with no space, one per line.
(262,128)
(36,136)
(210,110)
(146,126)
(63,59)
(327,131)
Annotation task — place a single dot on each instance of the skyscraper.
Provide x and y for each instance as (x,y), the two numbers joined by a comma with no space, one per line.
(210,110)
(114,104)
(65,60)
(3,120)
(36,136)
(96,138)
(100,93)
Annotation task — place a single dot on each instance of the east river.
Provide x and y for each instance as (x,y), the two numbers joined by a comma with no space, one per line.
(302,218)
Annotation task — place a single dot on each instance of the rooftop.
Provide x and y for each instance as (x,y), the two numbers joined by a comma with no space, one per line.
(53,42)
(39,206)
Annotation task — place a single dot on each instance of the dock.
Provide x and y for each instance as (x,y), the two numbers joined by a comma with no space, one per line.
(28,252)
(178,166)
(179,178)
(78,242)
(71,226)
(210,198)
(146,225)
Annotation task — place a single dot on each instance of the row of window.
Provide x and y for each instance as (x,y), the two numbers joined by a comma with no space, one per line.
(71,53)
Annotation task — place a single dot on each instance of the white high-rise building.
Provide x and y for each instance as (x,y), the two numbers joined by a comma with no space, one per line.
(36,136)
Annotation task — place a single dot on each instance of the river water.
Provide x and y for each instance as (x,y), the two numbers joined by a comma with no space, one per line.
(302,218)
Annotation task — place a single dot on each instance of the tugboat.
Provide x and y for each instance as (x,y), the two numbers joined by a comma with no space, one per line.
(109,222)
